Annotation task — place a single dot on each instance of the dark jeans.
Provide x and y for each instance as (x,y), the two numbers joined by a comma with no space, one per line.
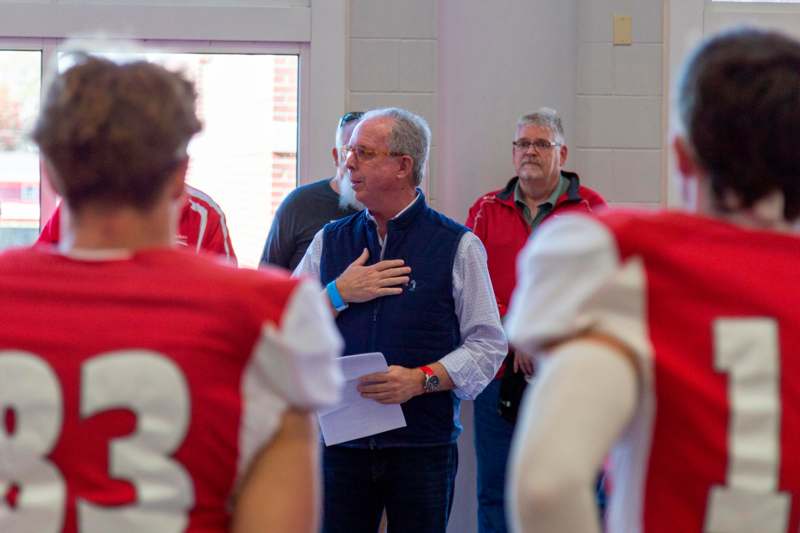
(415,485)
(492,442)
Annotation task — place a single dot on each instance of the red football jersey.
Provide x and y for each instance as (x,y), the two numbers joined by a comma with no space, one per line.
(709,310)
(134,391)
(202,226)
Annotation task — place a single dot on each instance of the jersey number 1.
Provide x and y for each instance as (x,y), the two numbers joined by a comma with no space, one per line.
(164,490)
(748,351)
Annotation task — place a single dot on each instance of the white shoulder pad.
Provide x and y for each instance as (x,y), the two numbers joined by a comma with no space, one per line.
(566,262)
(299,360)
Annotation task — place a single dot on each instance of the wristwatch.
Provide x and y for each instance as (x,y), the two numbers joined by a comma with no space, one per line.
(431,380)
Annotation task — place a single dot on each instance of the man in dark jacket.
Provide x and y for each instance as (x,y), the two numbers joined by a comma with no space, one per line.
(433,316)
(503,220)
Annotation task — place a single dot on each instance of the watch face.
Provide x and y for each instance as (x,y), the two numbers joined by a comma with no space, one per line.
(432,384)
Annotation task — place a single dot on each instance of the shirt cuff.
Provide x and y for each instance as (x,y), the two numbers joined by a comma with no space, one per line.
(469,379)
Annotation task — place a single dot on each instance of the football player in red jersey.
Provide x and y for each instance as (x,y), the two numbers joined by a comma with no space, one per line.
(672,339)
(144,388)
(201,226)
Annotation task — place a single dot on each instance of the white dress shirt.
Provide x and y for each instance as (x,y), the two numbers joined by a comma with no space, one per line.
(474,364)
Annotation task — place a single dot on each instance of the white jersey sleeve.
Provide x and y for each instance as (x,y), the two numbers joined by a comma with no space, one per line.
(299,358)
(584,395)
(559,273)
(571,280)
(294,364)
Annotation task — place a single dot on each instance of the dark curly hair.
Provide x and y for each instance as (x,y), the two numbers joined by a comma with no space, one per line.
(113,132)
(739,101)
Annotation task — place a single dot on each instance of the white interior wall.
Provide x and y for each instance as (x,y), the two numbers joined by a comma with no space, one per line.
(472,67)
(684,29)
(619,135)
(689,21)
(497,60)
(393,61)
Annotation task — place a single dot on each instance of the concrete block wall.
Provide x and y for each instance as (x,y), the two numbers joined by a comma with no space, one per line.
(393,60)
(618,142)
(497,60)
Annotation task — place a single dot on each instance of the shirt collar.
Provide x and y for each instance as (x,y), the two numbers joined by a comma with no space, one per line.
(561,188)
(398,215)
(382,240)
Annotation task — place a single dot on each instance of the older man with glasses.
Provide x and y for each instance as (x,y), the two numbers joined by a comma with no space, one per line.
(309,207)
(503,220)
(428,306)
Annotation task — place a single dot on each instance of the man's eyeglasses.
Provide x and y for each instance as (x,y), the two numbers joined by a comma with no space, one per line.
(365,154)
(350,117)
(539,145)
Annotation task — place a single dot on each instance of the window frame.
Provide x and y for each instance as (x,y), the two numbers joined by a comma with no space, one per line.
(316,32)
(719,14)
(49,49)
(753,2)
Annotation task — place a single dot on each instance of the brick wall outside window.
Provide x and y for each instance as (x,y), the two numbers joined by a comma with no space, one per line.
(284,178)
(284,109)
(285,82)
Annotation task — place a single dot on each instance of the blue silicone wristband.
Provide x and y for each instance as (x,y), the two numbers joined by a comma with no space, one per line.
(335,297)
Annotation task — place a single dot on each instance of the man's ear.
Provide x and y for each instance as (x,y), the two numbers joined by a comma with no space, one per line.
(335,154)
(563,152)
(51,176)
(177,181)
(406,166)
(691,174)
(684,157)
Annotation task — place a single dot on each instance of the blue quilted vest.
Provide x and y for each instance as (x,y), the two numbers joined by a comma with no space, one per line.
(415,328)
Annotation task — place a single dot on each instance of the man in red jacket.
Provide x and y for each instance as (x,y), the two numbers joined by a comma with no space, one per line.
(503,220)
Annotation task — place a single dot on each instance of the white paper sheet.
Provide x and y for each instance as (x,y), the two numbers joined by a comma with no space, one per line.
(355,417)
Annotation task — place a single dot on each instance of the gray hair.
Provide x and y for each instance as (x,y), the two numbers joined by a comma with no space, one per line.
(410,135)
(547,118)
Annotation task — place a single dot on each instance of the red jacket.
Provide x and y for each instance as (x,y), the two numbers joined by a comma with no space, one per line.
(201,227)
(501,226)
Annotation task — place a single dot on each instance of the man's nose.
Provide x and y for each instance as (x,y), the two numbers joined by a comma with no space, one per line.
(350,161)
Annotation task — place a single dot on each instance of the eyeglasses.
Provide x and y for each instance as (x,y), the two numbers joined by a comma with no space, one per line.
(365,154)
(350,117)
(539,145)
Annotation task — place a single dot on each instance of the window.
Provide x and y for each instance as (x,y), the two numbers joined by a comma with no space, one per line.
(245,158)
(20,87)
